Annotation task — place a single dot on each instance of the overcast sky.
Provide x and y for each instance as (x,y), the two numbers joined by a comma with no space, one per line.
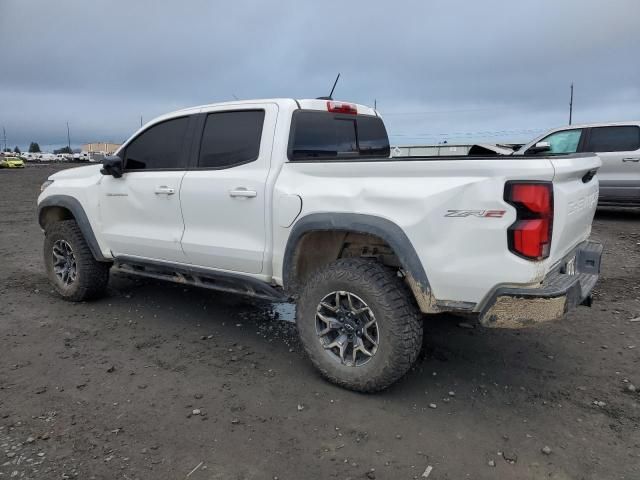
(456,70)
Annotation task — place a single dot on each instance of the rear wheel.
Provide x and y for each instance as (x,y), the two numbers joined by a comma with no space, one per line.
(359,324)
(71,267)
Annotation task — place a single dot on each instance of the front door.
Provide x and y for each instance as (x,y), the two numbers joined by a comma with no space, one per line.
(140,212)
(224,195)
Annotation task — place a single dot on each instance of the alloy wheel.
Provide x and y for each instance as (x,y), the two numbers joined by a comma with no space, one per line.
(347,328)
(64,262)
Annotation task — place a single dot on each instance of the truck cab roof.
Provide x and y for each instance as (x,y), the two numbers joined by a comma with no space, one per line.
(303,103)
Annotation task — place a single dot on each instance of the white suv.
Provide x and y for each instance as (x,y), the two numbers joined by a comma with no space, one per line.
(617,145)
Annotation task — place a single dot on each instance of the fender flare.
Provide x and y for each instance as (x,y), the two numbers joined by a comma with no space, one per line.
(358,223)
(74,206)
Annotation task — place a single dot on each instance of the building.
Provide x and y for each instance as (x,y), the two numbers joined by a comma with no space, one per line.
(101,147)
(447,150)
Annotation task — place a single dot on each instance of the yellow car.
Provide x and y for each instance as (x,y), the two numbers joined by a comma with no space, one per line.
(11,162)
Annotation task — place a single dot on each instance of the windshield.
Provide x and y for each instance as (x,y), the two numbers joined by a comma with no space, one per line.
(562,142)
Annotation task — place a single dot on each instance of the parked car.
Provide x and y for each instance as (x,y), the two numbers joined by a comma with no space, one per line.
(31,157)
(11,162)
(47,157)
(299,199)
(617,145)
(81,157)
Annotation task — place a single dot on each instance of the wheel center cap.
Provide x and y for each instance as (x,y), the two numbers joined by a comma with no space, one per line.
(349,326)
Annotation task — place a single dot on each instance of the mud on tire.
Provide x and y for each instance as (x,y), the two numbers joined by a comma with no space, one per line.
(376,293)
(72,270)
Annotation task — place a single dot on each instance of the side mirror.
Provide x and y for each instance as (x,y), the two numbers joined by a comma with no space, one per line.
(540,147)
(112,165)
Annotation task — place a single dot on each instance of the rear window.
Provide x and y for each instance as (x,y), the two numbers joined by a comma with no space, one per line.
(325,135)
(624,138)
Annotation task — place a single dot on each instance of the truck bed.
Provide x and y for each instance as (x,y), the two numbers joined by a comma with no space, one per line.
(467,256)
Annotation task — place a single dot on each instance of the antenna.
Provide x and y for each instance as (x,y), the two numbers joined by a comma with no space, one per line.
(140,120)
(330,97)
(375,104)
(68,138)
(334,86)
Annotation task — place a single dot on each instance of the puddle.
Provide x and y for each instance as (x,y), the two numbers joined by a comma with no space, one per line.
(284,311)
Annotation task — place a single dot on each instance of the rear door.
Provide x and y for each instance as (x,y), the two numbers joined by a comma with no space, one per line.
(619,148)
(140,212)
(224,195)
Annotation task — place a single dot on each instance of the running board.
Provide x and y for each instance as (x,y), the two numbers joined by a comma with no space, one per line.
(199,277)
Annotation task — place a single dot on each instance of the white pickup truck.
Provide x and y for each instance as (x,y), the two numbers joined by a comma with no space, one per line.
(299,199)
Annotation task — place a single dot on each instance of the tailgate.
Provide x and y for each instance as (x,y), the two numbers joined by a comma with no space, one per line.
(575,197)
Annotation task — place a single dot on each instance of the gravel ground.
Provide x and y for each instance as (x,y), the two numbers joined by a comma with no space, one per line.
(159,381)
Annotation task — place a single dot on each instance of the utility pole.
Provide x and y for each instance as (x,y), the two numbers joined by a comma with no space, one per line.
(4,135)
(68,138)
(571,105)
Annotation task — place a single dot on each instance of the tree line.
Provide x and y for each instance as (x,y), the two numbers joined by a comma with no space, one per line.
(35,148)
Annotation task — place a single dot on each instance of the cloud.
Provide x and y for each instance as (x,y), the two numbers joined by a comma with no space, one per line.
(456,70)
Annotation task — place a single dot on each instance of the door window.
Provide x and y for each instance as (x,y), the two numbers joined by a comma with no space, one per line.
(231,138)
(158,147)
(565,141)
(624,138)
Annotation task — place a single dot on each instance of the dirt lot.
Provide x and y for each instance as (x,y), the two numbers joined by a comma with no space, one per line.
(109,389)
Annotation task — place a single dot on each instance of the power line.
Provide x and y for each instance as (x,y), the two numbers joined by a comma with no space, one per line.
(477,133)
(433,112)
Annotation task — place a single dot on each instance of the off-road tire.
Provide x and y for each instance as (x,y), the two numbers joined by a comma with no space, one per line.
(398,318)
(92,276)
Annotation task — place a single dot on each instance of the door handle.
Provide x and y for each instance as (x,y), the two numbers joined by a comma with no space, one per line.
(164,190)
(243,192)
(631,159)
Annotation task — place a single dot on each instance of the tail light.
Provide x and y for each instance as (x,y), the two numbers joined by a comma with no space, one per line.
(530,235)
(340,107)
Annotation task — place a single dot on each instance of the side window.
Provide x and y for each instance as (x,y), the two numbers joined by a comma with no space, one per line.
(624,138)
(565,141)
(231,138)
(158,147)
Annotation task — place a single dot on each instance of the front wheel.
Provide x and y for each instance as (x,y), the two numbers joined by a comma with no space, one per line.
(359,324)
(74,272)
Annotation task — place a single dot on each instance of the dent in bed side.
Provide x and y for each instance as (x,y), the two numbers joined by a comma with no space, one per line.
(72,205)
(349,223)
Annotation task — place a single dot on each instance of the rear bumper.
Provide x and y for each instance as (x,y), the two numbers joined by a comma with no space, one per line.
(564,288)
